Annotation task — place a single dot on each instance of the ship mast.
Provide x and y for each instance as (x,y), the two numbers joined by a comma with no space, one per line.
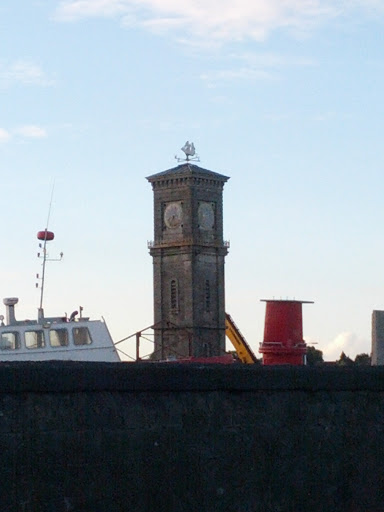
(45,236)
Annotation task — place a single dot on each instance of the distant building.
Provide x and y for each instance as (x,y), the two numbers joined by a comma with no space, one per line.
(377,338)
(188,262)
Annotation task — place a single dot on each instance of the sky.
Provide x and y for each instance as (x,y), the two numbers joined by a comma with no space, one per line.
(283,96)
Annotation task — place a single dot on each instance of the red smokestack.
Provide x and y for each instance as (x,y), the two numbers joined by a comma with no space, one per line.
(283,333)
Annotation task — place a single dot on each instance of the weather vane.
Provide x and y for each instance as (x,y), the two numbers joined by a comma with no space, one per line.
(190,153)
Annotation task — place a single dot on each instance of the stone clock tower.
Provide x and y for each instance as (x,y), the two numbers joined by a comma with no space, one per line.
(188,262)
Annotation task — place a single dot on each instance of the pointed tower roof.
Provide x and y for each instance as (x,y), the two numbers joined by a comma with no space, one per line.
(187,170)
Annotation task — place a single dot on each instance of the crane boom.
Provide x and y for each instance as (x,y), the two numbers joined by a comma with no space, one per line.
(244,351)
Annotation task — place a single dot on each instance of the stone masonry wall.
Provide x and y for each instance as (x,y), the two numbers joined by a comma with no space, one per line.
(109,437)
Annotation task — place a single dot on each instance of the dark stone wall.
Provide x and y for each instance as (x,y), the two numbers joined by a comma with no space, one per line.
(108,437)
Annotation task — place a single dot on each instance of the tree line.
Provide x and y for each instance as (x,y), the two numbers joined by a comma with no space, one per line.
(315,358)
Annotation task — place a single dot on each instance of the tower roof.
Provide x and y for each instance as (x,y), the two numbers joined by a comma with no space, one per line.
(187,169)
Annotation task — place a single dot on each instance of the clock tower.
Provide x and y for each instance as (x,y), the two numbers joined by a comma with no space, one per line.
(188,262)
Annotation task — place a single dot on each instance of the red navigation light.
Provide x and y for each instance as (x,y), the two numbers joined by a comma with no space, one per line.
(45,235)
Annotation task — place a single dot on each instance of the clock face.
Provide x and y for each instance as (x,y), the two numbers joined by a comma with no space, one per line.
(206,215)
(173,215)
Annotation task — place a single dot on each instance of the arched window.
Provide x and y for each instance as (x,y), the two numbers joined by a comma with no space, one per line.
(207,296)
(174,295)
(207,350)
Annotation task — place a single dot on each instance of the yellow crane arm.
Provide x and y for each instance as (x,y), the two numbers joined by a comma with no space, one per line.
(244,351)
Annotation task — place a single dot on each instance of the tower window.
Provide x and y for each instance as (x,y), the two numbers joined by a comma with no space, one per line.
(174,295)
(207,352)
(207,296)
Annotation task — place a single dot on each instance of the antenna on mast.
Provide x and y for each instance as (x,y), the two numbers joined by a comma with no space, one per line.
(45,236)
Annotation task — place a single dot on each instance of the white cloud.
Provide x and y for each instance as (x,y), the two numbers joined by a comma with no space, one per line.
(215,77)
(346,342)
(22,72)
(215,20)
(272,60)
(253,67)
(4,135)
(31,131)
(70,10)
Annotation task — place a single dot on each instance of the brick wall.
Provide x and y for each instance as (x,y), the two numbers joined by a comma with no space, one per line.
(109,437)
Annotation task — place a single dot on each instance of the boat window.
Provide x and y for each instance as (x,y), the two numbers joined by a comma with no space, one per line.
(81,336)
(58,337)
(34,339)
(9,341)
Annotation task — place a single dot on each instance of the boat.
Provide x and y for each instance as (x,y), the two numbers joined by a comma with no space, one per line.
(73,338)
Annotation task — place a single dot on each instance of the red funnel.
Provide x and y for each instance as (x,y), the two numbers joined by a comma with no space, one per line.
(283,333)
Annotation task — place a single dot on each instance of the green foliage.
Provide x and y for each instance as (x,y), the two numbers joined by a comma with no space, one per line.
(360,360)
(344,360)
(314,356)
(363,360)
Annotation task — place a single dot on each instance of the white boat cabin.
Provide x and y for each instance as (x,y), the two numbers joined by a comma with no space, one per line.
(54,338)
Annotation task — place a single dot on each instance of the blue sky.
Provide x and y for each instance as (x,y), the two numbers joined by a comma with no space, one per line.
(283,97)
